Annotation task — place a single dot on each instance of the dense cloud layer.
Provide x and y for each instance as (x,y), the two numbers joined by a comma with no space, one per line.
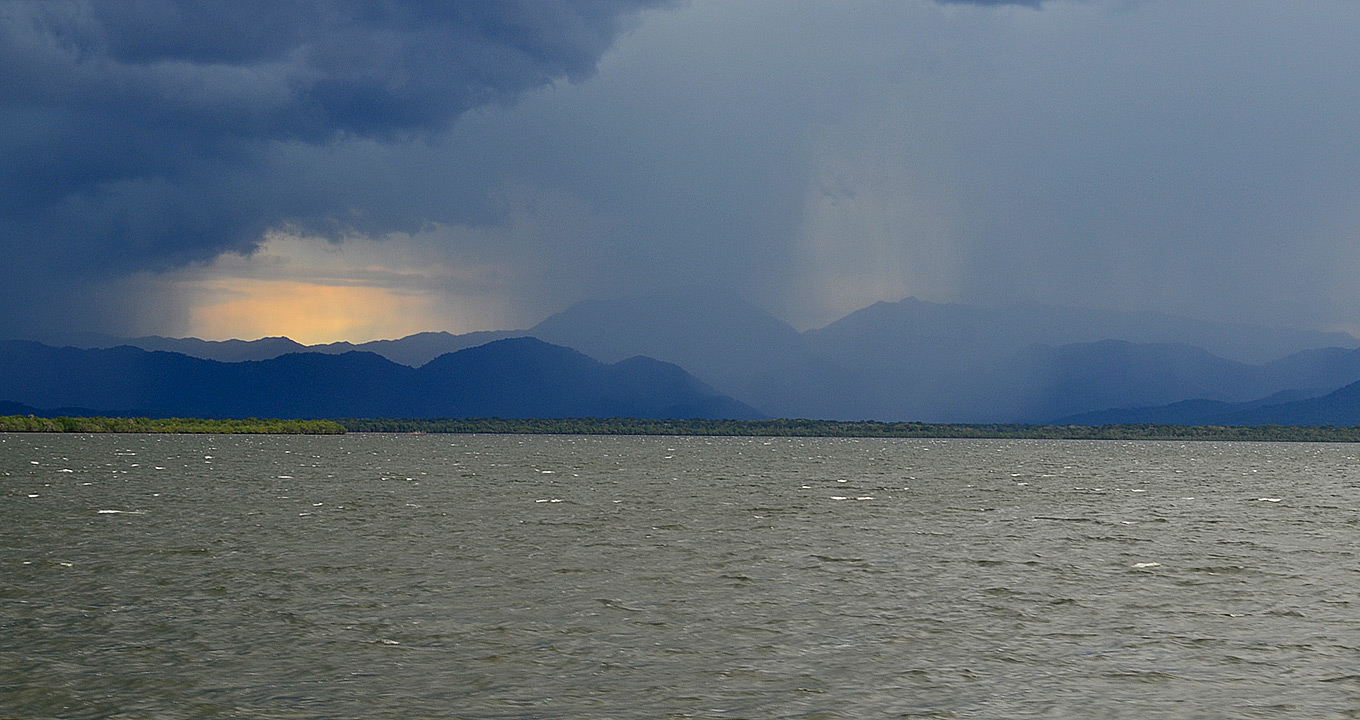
(255,69)
(509,158)
(146,133)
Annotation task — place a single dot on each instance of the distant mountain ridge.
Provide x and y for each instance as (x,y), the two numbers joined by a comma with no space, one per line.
(1033,363)
(413,350)
(730,344)
(1047,384)
(943,363)
(1340,407)
(909,360)
(509,378)
(936,327)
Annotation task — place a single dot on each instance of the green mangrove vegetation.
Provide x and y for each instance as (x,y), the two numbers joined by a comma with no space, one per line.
(29,423)
(634,426)
(830,428)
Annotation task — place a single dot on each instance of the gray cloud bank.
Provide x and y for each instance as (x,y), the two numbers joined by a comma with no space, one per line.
(144,134)
(1196,158)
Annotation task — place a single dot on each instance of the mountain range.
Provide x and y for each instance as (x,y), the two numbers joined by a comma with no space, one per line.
(522,377)
(907,360)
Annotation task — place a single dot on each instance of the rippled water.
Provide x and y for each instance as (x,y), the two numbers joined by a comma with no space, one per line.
(372,576)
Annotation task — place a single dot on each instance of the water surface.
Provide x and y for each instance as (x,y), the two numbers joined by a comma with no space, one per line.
(373,576)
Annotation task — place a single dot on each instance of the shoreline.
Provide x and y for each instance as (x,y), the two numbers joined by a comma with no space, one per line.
(695,427)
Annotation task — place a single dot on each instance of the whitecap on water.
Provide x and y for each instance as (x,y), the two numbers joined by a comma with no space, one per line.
(1147,565)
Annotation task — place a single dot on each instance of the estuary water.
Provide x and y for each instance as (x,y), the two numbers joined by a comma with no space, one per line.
(446,576)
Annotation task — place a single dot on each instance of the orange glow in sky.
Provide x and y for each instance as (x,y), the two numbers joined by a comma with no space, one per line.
(308,313)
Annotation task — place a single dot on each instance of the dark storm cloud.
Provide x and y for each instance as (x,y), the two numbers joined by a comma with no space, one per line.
(137,134)
(304,70)
(1196,158)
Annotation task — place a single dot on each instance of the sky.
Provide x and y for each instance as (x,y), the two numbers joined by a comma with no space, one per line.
(352,170)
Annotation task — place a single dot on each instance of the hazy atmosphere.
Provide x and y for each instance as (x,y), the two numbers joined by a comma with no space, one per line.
(360,170)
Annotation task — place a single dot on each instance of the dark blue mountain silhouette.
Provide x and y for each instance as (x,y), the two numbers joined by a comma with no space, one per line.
(1340,407)
(520,377)
(736,347)
(909,360)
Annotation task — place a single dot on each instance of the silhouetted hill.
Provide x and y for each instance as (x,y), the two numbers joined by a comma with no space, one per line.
(1052,382)
(954,363)
(128,380)
(416,350)
(946,333)
(915,360)
(509,378)
(1340,407)
(1185,412)
(1316,371)
(413,350)
(737,348)
(526,377)
(1112,381)
(221,350)
(908,360)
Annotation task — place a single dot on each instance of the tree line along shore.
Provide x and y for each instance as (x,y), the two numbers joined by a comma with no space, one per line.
(251,426)
(732,428)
